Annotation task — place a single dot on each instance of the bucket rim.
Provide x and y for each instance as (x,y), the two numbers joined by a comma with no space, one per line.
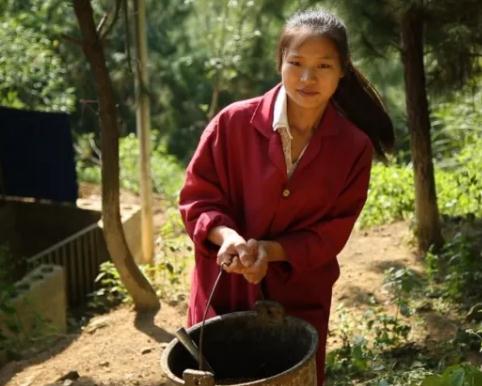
(311,351)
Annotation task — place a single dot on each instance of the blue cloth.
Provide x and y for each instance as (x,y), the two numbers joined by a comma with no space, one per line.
(37,155)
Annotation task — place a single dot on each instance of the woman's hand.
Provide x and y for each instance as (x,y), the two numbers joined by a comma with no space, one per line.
(256,272)
(234,252)
(256,254)
(249,259)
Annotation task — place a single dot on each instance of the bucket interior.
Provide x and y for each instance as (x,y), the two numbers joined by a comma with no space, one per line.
(243,349)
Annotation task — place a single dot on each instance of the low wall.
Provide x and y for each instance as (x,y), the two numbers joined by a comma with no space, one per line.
(131,222)
(39,305)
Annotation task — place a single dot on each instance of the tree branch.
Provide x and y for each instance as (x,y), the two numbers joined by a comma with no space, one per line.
(71,39)
(102,23)
(127,41)
(104,34)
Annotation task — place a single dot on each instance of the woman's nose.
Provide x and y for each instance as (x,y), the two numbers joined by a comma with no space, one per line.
(307,74)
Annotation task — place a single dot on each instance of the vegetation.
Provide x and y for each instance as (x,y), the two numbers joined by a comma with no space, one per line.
(167,172)
(381,349)
(457,145)
(206,54)
(169,274)
(8,325)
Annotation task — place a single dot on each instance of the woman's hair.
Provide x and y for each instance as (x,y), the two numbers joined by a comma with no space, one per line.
(355,96)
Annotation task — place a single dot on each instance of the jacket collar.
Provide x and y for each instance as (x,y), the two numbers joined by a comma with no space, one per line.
(262,117)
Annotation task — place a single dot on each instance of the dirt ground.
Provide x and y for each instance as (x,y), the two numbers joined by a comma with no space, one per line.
(118,349)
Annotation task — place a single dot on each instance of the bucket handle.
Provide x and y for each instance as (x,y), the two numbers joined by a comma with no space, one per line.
(201,360)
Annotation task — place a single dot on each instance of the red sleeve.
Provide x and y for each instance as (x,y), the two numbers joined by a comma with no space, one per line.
(312,247)
(203,203)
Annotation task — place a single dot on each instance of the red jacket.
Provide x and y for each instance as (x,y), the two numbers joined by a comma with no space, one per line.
(237,177)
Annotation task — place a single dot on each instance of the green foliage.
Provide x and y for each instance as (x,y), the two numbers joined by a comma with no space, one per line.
(366,346)
(459,375)
(110,292)
(459,188)
(168,275)
(458,267)
(32,75)
(8,321)
(456,126)
(368,343)
(9,326)
(452,34)
(378,349)
(167,174)
(432,265)
(390,196)
(457,148)
(223,52)
(401,282)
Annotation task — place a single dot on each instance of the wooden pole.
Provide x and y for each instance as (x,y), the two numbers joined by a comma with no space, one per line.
(143,132)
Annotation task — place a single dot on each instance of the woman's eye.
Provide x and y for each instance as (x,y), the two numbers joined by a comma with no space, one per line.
(324,65)
(294,63)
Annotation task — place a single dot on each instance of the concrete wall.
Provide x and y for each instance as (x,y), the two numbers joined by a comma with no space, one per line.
(30,227)
(40,303)
(131,222)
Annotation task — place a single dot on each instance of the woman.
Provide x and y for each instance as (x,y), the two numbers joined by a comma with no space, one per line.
(277,182)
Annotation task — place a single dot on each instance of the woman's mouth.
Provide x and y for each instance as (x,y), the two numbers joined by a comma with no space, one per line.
(307,93)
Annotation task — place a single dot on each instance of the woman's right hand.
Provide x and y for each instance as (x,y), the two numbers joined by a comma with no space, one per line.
(254,253)
(234,253)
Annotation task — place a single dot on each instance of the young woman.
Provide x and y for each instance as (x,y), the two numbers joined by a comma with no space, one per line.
(277,182)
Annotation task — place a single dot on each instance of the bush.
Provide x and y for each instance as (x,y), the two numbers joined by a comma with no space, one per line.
(459,375)
(457,150)
(391,195)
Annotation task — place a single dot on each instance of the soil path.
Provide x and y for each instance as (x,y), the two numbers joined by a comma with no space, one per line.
(116,349)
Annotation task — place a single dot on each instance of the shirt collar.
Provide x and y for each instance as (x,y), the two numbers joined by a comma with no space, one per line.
(262,117)
(280,112)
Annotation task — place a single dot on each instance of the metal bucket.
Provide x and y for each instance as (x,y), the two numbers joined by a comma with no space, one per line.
(260,347)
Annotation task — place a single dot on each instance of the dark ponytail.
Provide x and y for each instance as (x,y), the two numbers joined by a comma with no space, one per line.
(358,100)
(355,96)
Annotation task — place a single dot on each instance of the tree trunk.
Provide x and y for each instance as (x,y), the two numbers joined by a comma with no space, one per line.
(428,229)
(137,285)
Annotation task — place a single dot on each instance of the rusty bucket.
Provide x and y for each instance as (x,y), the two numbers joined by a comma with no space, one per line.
(249,348)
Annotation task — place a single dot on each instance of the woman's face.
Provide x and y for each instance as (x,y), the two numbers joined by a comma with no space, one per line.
(311,71)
